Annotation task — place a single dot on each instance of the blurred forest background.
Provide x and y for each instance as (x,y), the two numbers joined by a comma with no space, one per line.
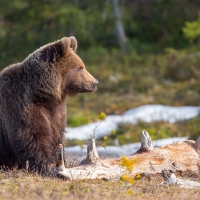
(141,51)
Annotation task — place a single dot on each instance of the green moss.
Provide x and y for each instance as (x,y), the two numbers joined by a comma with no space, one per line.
(77,121)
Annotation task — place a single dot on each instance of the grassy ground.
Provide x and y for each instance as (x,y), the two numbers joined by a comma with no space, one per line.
(17,185)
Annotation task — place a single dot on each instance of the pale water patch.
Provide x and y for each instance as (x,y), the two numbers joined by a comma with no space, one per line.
(146,113)
(117,151)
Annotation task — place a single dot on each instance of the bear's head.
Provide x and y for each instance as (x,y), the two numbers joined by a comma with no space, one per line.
(61,55)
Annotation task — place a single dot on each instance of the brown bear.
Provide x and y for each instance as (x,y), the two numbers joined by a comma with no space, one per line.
(32,103)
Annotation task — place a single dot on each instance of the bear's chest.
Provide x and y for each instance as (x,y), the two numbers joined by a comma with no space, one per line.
(49,121)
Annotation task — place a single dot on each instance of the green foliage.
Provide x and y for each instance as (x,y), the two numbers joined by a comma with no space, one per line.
(191,30)
(77,120)
(149,25)
(192,128)
(80,143)
(80,118)
(157,24)
(25,26)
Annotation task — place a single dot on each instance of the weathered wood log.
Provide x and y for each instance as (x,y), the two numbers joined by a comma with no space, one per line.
(92,154)
(61,159)
(170,179)
(177,157)
(197,145)
(146,142)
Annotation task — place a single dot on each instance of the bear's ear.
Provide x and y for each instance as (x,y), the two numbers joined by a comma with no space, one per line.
(73,43)
(52,52)
(66,42)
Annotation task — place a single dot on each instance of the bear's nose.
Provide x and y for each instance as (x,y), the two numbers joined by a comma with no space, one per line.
(96,83)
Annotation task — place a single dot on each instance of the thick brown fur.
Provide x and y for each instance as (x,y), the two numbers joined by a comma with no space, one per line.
(32,103)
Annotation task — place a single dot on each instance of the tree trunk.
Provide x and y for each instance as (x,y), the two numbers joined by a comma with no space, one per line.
(119,29)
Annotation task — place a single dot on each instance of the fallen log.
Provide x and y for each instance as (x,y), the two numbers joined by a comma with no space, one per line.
(170,179)
(182,157)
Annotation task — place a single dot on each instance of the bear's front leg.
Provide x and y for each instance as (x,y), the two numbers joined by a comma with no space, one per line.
(39,148)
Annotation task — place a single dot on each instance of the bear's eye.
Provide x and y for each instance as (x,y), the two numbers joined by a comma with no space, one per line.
(80,68)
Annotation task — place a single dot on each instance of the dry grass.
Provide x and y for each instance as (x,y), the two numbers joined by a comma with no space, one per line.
(17,184)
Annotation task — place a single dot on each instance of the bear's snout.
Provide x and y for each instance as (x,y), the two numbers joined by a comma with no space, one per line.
(95,83)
